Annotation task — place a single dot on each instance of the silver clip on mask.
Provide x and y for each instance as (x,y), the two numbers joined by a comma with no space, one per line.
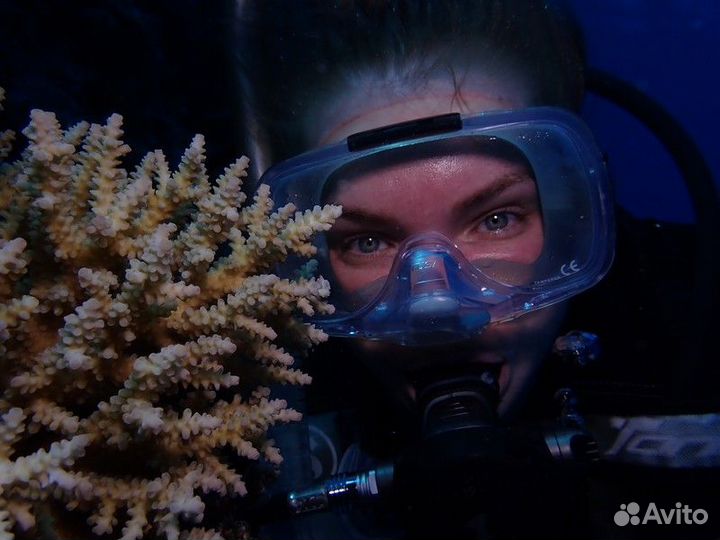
(532,183)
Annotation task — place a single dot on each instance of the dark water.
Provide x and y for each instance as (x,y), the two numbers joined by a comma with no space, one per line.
(164,66)
(668,49)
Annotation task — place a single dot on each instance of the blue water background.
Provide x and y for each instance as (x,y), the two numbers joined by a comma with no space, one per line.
(669,49)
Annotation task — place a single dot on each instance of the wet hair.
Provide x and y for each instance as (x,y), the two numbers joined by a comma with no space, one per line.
(292,55)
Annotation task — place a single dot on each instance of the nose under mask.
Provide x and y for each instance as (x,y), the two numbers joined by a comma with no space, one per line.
(431,295)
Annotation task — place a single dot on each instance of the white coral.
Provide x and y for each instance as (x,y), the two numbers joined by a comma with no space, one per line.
(122,332)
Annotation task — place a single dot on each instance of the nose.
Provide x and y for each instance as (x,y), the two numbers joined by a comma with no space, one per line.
(431,296)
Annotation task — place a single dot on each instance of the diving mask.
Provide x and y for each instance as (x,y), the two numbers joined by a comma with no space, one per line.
(452,223)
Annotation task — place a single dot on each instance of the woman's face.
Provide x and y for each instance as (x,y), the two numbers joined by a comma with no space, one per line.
(485,202)
(487,205)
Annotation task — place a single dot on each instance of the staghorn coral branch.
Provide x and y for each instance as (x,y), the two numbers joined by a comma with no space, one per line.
(268,241)
(6,139)
(158,206)
(12,425)
(134,527)
(197,533)
(22,515)
(216,217)
(6,525)
(104,520)
(107,151)
(53,417)
(13,263)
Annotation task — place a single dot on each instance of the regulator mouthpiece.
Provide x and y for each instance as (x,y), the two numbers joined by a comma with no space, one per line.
(460,401)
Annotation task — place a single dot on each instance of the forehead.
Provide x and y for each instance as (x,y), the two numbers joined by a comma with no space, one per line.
(437,179)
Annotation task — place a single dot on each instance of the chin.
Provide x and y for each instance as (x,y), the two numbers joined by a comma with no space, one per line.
(515,383)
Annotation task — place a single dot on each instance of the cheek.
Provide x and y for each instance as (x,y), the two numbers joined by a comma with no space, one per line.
(534,241)
(525,343)
(523,248)
(528,338)
(350,278)
(527,247)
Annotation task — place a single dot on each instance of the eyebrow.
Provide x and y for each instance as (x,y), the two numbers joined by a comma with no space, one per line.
(357,215)
(499,185)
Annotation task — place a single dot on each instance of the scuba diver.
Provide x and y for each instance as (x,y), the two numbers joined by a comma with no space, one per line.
(451,399)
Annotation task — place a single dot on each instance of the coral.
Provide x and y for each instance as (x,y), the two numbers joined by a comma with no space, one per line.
(140,329)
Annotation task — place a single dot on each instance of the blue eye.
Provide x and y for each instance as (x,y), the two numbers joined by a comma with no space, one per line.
(497,221)
(368,244)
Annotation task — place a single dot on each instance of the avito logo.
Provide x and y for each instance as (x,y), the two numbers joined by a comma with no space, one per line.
(680,515)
